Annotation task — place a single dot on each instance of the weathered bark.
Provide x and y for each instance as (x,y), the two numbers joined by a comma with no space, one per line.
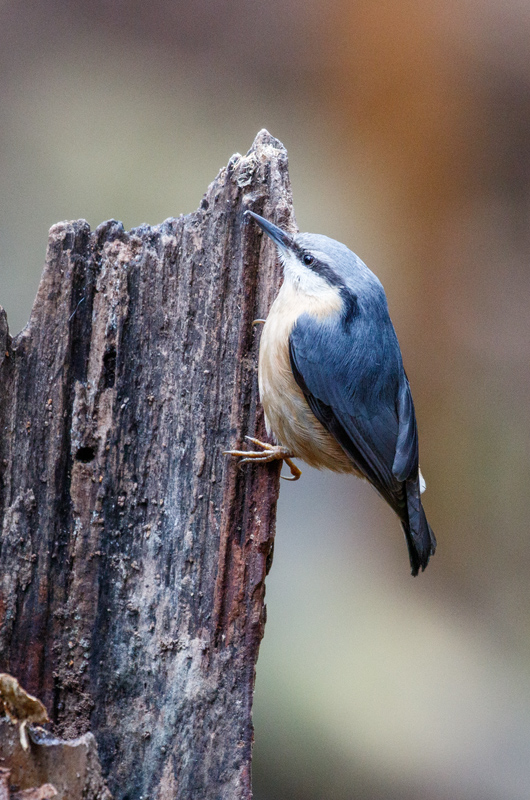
(74,765)
(133,553)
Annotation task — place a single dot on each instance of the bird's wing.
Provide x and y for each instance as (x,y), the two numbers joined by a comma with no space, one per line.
(405,464)
(376,428)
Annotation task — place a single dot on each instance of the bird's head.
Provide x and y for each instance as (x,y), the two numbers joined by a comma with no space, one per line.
(318,264)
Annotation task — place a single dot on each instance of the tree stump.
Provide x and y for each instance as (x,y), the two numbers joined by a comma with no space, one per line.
(133,553)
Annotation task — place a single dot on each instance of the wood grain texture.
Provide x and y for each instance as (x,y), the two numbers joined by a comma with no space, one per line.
(133,553)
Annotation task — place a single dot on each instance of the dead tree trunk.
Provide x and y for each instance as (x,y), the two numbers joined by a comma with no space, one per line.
(133,553)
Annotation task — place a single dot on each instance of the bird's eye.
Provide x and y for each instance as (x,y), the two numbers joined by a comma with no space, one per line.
(308,259)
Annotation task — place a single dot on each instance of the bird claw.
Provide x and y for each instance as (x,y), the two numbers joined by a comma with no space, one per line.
(296,472)
(270,452)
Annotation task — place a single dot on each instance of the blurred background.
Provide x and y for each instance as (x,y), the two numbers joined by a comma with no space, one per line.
(407,126)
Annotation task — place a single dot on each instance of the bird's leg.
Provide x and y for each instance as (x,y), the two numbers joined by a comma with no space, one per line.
(270,452)
(274,452)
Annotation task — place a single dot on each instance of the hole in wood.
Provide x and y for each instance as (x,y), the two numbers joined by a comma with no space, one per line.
(109,368)
(85,454)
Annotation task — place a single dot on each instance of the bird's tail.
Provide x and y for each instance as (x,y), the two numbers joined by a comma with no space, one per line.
(418,533)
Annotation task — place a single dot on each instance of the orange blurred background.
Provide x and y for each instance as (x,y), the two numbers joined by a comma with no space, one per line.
(407,125)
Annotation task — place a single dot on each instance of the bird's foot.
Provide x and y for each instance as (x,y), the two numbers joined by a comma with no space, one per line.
(259,322)
(270,452)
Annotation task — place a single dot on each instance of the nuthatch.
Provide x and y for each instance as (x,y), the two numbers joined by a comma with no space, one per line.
(332,382)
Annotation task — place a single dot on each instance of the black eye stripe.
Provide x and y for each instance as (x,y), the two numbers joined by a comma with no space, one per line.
(320,268)
(350,304)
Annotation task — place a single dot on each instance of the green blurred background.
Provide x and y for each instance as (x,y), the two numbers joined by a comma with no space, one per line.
(407,125)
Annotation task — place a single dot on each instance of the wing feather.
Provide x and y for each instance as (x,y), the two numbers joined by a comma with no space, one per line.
(405,464)
(337,379)
(355,384)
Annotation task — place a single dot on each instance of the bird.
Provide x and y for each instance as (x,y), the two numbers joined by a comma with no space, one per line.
(332,383)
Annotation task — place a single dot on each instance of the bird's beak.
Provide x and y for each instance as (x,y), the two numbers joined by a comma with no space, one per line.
(281,238)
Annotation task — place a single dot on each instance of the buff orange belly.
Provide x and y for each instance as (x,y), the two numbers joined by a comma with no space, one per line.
(287,413)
